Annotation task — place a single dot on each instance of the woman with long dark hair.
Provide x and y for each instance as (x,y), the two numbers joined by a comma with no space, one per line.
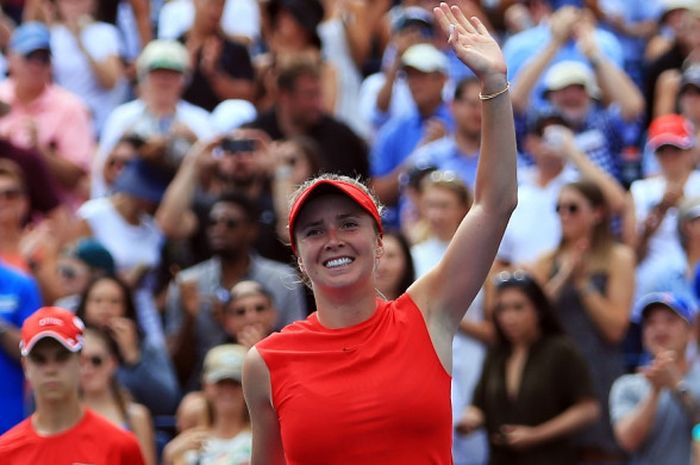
(144,370)
(102,393)
(589,278)
(535,390)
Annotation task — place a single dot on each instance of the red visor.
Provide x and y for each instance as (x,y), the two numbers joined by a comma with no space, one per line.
(358,195)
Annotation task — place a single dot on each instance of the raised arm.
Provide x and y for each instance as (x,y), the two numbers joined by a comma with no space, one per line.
(444,294)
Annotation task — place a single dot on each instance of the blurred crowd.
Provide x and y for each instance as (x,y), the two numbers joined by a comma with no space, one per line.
(148,151)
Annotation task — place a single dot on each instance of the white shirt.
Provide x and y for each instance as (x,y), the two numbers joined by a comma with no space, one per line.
(72,70)
(240,18)
(534,227)
(665,244)
(123,119)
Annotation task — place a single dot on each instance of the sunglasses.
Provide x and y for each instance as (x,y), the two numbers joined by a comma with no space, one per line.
(230,223)
(11,194)
(510,277)
(94,360)
(570,208)
(117,162)
(67,272)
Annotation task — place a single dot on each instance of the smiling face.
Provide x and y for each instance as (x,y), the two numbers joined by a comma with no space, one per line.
(337,242)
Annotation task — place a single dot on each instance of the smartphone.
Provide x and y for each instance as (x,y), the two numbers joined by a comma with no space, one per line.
(229,145)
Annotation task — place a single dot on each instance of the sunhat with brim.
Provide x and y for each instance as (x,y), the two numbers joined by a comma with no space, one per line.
(568,73)
(224,362)
(354,192)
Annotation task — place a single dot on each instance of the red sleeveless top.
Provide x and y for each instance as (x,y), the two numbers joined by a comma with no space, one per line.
(373,393)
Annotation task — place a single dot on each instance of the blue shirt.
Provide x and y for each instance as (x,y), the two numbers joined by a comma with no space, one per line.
(444,154)
(19,298)
(522,47)
(396,140)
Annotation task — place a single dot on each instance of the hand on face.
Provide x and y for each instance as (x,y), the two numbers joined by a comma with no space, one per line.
(123,330)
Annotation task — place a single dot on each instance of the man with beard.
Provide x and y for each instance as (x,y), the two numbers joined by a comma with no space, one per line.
(234,163)
(197,294)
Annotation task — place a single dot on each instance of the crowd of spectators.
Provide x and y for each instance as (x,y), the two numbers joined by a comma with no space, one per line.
(148,151)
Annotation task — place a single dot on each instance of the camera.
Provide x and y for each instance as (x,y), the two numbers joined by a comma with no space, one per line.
(238,145)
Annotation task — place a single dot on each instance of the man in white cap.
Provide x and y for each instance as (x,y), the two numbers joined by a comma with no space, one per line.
(426,70)
(61,431)
(592,91)
(159,117)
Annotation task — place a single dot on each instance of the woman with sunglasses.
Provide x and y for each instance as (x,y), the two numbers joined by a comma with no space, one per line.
(589,278)
(144,369)
(535,391)
(364,380)
(102,393)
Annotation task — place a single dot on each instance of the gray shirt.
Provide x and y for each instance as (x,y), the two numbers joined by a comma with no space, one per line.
(280,279)
(669,439)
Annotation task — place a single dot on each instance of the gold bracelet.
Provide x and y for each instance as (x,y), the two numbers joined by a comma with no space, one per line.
(495,94)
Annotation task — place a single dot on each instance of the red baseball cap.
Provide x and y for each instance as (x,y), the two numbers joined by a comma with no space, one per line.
(672,130)
(55,322)
(356,193)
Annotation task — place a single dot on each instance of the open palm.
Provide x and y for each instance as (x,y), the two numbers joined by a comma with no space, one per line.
(471,41)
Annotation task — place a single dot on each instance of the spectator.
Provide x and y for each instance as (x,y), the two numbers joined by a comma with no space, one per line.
(40,112)
(677,92)
(85,54)
(20,296)
(227,438)
(144,369)
(656,199)
(346,33)
(195,297)
(426,73)
(535,393)
(163,122)
(239,163)
(669,24)
(299,111)
(295,161)
(221,68)
(653,411)
(385,95)
(125,224)
(444,201)
(61,430)
(676,276)
(557,161)
(459,151)
(101,392)
(77,267)
(395,270)
(249,315)
(240,21)
(682,47)
(590,280)
(14,214)
(290,29)
(554,39)
(125,151)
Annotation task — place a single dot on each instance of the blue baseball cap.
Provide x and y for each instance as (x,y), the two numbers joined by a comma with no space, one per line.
(30,37)
(673,302)
(143,180)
